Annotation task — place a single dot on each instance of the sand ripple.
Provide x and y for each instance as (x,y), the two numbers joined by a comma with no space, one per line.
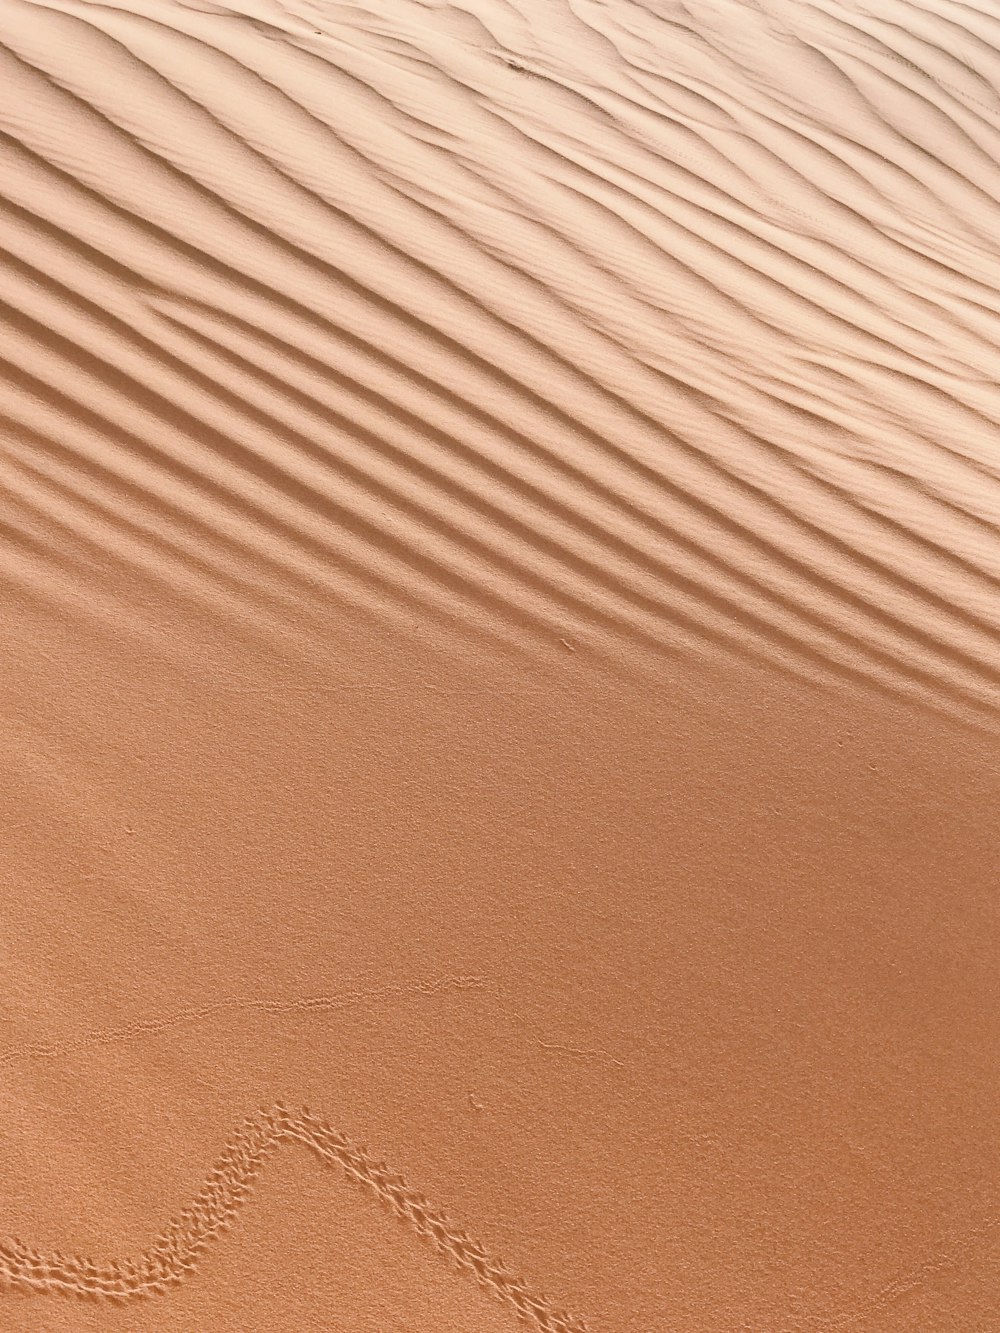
(649,330)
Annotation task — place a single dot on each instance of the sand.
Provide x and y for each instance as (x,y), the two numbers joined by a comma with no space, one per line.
(500,609)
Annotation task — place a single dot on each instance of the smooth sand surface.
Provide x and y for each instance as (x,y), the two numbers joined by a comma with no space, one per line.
(500,609)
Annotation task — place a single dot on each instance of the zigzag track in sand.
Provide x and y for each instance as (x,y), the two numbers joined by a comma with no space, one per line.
(179,1248)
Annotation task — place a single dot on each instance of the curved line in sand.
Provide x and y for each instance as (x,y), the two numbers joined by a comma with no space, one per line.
(179,1248)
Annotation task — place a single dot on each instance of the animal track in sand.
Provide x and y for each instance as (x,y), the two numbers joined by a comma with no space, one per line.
(179,1248)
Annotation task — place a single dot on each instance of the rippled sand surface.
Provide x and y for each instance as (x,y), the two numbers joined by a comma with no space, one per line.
(500,619)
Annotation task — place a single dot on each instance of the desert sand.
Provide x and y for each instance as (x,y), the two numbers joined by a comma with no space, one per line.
(500,609)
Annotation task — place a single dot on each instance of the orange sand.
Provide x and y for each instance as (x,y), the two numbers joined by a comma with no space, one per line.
(499,577)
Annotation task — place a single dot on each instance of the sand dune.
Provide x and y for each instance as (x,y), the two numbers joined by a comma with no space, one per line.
(462,458)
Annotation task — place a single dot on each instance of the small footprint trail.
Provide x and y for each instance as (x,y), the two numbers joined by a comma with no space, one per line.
(180,1247)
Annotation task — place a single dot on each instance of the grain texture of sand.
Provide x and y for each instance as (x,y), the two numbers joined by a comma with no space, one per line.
(500,609)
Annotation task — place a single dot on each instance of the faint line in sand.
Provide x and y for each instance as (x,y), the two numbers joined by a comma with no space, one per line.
(580,1052)
(947,1258)
(192,1015)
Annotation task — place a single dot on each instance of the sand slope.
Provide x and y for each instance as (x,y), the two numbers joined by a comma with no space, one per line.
(501,600)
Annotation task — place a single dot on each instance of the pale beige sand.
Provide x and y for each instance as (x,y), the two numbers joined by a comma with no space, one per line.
(500,623)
